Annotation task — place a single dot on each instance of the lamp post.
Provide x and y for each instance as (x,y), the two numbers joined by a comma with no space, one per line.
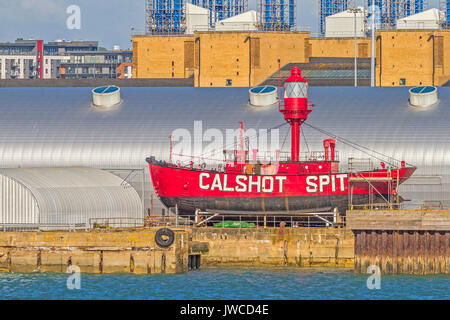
(355,11)
(372,58)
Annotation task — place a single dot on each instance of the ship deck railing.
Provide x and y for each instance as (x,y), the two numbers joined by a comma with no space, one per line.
(210,163)
(368,178)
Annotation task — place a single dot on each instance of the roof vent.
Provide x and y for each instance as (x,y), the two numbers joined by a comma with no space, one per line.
(424,96)
(106,96)
(263,96)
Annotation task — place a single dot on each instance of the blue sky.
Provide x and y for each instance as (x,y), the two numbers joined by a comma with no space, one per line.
(107,21)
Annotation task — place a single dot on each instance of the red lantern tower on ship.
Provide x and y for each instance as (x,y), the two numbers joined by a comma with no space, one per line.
(296,107)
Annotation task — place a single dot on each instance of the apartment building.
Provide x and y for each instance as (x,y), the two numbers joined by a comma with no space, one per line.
(34,59)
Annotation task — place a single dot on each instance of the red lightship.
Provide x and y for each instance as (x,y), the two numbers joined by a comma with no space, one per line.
(297,185)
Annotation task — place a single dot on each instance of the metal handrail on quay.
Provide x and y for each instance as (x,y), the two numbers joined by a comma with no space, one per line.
(73,227)
(377,206)
(208,219)
(203,219)
(115,222)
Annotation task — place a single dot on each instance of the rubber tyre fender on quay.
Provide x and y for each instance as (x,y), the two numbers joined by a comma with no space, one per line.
(164,237)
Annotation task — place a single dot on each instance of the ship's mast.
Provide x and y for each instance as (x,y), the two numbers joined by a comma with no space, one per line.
(241,156)
(295,107)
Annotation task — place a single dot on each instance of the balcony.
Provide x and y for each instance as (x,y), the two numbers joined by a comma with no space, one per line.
(282,108)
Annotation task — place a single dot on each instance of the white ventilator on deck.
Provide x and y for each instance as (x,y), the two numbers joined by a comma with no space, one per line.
(65,196)
(106,96)
(263,96)
(423,96)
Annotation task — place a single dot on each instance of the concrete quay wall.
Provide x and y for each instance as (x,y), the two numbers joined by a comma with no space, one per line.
(397,241)
(130,251)
(295,247)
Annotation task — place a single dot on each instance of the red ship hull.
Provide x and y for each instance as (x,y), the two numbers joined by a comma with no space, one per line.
(227,192)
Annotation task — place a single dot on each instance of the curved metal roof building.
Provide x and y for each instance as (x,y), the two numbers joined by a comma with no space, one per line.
(54,127)
(64,196)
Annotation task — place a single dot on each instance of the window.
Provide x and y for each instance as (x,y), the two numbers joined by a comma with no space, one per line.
(296,90)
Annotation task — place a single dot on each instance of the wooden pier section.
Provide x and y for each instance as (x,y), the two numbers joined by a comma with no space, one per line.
(401,241)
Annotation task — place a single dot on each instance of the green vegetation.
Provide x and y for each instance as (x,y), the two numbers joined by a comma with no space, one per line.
(102,226)
(234,224)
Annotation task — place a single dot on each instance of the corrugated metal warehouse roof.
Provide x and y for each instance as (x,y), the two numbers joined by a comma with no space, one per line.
(64,196)
(46,127)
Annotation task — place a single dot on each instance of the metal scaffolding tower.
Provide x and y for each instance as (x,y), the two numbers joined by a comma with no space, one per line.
(445,7)
(390,11)
(277,15)
(222,9)
(164,16)
(328,8)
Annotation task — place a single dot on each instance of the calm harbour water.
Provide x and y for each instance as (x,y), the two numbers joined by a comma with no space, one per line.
(226,283)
